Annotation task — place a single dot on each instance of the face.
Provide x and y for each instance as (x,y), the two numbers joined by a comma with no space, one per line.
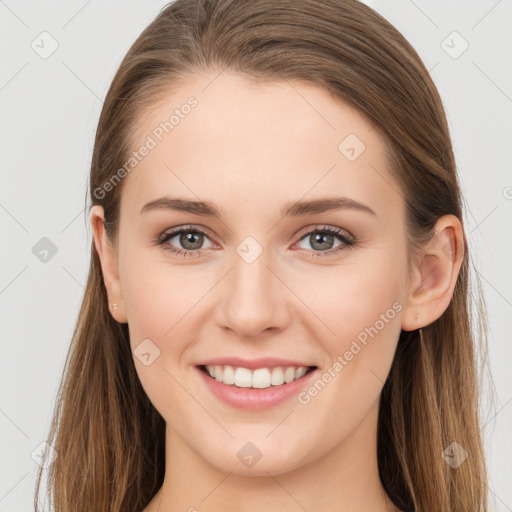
(263,284)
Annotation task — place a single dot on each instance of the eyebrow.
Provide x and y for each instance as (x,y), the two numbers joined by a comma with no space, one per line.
(297,208)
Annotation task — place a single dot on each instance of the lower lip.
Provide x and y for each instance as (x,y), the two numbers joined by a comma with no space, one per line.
(255,399)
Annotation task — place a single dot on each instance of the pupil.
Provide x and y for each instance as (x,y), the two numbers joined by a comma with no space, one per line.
(187,238)
(322,236)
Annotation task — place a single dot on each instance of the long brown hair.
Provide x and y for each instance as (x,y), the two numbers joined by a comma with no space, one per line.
(108,436)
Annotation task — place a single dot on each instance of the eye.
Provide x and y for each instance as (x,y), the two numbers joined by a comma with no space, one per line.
(189,241)
(189,238)
(322,240)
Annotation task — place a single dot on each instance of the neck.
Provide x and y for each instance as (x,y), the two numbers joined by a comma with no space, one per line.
(344,478)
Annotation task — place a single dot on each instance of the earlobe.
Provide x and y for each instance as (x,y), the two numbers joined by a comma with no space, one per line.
(109,264)
(435,275)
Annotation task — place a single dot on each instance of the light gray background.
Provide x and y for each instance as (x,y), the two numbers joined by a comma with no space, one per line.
(49,111)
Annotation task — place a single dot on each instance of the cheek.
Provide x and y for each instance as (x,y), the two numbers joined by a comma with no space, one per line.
(358,311)
(157,296)
(362,315)
(159,303)
(348,299)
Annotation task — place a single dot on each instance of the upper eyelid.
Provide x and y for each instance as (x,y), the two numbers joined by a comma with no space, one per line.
(319,227)
(185,229)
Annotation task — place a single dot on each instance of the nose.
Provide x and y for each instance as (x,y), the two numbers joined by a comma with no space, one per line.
(254,298)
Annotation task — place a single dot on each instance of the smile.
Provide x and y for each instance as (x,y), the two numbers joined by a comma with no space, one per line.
(259,378)
(255,389)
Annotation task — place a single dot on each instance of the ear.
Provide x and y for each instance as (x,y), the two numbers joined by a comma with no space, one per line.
(109,264)
(435,275)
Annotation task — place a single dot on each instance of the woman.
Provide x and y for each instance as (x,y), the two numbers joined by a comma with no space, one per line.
(276,315)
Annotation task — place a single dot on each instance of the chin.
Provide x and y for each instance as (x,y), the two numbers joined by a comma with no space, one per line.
(258,458)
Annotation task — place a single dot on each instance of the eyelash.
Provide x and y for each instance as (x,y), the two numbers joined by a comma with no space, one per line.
(337,233)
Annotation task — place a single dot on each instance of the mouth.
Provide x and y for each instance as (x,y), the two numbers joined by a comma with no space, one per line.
(259,378)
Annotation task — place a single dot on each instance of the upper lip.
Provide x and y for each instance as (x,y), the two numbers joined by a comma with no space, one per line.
(252,364)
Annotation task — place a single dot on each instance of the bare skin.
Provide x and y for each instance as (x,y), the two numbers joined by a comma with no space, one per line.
(251,149)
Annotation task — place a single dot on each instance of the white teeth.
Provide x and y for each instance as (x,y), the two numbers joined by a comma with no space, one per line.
(289,374)
(300,372)
(277,376)
(243,378)
(228,377)
(260,378)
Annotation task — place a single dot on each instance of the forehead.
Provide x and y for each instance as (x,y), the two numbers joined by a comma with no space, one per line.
(216,135)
